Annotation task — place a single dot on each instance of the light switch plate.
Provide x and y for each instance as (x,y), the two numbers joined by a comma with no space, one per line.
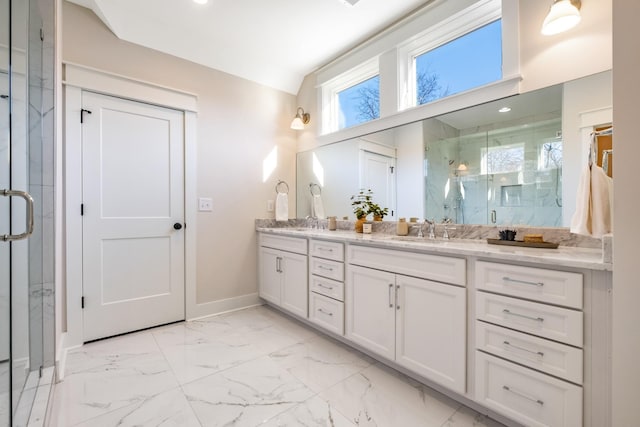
(205,204)
(270,206)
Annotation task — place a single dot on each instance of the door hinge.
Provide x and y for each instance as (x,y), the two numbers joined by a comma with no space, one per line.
(82,209)
(82,111)
(82,302)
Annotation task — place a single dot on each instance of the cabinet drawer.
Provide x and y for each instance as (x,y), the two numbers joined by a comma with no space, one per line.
(328,250)
(326,268)
(544,355)
(289,244)
(555,287)
(432,267)
(526,396)
(326,312)
(556,323)
(330,288)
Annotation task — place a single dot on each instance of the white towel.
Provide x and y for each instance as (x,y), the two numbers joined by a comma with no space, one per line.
(317,207)
(593,215)
(282,207)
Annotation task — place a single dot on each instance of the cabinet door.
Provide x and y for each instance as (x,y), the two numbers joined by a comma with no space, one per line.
(295,289)
(430,330)
(269,279)
(370,308)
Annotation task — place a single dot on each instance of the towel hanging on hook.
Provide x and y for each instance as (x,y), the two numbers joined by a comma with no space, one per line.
(282,202)
(280,182)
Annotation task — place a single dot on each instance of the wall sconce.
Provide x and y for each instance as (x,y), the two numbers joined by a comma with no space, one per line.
(563,15)
(300,119)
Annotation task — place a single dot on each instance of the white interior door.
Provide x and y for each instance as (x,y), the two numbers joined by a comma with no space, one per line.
(133,201)
(377,172)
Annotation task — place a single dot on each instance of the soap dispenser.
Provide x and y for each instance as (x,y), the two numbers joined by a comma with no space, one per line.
(402,228)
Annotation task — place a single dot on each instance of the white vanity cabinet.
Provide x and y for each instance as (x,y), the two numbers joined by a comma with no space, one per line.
(529,339)
(326,285)
(416,322)
(283,279)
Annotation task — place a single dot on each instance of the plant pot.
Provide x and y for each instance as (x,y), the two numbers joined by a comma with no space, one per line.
(377,218)
(359,223)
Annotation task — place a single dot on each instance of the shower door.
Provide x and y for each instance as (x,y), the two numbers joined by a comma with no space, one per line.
(26,206)
(5,275)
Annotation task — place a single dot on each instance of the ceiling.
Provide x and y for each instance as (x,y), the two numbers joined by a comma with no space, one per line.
(271,42)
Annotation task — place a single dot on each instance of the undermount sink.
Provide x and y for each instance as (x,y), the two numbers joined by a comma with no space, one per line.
(415,239)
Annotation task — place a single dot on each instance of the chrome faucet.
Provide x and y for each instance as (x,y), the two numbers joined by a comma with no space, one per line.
(312,221)
(432,228)
(445,235)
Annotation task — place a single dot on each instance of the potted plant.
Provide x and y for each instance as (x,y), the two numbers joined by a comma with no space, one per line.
(360,204)
(378,212)
(363,205)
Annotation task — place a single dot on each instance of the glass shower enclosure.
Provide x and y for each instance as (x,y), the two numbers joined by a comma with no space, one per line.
(26,209)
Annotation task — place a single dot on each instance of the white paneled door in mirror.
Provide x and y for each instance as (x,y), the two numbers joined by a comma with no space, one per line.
(133,215)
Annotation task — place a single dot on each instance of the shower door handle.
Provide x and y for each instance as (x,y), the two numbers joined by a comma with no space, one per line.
(29,220)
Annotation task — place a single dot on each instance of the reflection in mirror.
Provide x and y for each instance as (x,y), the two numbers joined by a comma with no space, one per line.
(473,166)
(497,163)
(340,170)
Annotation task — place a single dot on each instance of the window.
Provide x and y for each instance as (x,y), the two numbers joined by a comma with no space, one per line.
(444,49)
(461,52)
(550,155)
(352,97)
(445,70)
(502,159)
(359,103)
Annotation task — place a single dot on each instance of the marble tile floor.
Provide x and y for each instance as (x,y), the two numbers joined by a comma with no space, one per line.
(247,368)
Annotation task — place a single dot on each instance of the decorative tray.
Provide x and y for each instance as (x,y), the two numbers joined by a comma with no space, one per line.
(545,245)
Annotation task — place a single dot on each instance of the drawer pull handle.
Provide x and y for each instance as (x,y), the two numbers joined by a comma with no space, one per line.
(390,290)
(320,248)
(521,394)
(325,286)
(325,312)
(537,319)
(539,353)
(397,289)
(523,282)
(322,267)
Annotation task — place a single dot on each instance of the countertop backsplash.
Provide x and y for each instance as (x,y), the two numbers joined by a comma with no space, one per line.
(558,235)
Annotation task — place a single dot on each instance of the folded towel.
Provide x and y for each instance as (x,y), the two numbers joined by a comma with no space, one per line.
(317,207)
(282,207)
(593,215)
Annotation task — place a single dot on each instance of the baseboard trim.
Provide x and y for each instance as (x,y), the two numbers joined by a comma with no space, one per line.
(223,306)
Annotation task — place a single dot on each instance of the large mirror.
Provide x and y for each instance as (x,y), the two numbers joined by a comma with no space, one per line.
(515,161)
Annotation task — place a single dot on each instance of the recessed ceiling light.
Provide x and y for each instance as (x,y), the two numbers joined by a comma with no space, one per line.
(504,110)
(200,1)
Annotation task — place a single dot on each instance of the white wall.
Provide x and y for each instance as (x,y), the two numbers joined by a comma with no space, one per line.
(581,51)
(239,124)
(626,289)
(409,142)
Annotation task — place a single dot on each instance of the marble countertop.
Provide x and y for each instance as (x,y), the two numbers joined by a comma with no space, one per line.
(564,256)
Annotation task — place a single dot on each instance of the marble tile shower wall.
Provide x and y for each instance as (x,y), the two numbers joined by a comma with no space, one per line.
(531,195)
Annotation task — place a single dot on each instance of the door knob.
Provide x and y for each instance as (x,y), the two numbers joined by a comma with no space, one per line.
(177,226)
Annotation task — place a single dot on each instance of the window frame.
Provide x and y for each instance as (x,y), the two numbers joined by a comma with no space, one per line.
(464,22)
(346,80)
